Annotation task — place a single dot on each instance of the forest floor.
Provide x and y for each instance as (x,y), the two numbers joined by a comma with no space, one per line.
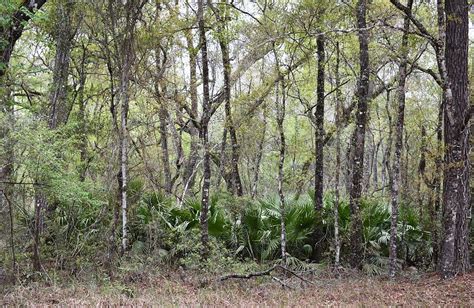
(184,290)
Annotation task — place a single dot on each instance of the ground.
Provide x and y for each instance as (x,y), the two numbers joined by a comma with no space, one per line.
(181,290)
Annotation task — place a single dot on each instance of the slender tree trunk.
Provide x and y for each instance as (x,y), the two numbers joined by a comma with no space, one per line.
(402,72)
(319,132)
(126,53)
(204,134)
(280,119)
(337,243)
(319,148)
(124,93)
(358,141)
(81,70)
(456,194)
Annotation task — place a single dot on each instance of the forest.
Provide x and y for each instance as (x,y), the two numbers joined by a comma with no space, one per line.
(234,153)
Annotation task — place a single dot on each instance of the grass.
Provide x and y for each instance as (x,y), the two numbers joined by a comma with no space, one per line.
(188,289)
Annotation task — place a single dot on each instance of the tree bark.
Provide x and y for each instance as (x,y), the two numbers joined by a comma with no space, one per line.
(204,134)
(319,132)
(456,194)
(358,141)
(402,72)
(337,243)
(280,119)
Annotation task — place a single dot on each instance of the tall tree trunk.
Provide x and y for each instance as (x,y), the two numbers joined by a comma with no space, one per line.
(319,132)
(126,55)
(456,194)
(337,243)
(280,119)
(124,101)
(358,141)
(319,148)
(204,134)
(402,72)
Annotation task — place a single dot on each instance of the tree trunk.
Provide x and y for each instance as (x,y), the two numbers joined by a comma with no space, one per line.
(358,141)
(319,149)
(280,119)
(204,134)
(402,72)
(456,194)
(124,101)
(319,132)
(337,243)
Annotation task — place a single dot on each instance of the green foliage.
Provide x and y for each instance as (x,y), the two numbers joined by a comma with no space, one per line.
(253,231)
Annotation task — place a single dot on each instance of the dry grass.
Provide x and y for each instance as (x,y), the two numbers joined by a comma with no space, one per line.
(185,290)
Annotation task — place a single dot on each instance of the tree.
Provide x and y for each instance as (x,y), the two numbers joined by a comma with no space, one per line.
(456,194)
(402,76)
(319,132)
(358,138)
(204,132)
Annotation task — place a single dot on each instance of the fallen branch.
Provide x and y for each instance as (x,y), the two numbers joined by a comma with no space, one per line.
(249,275)
(266,272)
